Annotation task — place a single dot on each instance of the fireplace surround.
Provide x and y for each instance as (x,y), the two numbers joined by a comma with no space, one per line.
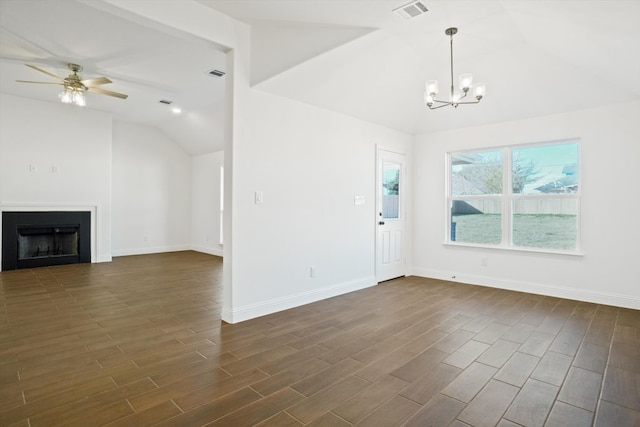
(45,238)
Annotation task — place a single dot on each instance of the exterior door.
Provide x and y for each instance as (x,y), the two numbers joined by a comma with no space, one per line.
(390,216)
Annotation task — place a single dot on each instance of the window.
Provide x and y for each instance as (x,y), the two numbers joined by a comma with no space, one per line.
(515,197)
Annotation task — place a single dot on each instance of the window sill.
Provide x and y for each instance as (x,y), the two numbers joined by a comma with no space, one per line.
(516,249)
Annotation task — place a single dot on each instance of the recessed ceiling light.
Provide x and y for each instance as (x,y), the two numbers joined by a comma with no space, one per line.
(175,109)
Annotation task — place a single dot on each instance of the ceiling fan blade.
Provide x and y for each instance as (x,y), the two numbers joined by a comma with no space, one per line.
(41,83)
(107,92)
(96,82)
(44,71)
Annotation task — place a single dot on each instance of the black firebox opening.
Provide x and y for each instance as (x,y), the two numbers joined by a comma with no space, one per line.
(42,242)
(37,239)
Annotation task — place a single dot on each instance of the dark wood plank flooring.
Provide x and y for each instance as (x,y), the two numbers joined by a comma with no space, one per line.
(139,341)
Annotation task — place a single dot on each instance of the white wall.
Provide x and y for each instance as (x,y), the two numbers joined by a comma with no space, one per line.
(205,202)
(70,151)
(151,191)
(610,154)
(309,164)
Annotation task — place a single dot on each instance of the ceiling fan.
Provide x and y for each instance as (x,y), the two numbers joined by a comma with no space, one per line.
(75,86)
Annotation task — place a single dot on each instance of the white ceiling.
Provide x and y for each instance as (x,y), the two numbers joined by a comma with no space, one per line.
(351,56)
(147,63)
(536,57)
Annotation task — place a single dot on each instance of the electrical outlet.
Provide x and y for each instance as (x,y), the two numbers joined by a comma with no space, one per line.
(312,272)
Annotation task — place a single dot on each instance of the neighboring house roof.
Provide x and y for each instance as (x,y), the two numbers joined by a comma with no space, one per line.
(462,185)
(568,184)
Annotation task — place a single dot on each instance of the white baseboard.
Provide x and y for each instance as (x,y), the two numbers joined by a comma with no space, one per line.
(208,250)
(597,297)
(104,258)
(252,311)
(161,249)
(150,250)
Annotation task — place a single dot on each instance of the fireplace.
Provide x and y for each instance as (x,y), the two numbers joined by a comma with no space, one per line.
(38,239)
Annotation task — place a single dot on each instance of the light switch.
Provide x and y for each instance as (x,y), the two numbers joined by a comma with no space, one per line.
(259,197)
(358,200)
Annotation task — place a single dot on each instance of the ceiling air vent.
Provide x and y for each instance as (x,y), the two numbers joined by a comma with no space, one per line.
(411,10)
(217,73)
(164,101)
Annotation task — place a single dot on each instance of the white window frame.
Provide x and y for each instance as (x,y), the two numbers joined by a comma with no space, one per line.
(508,198)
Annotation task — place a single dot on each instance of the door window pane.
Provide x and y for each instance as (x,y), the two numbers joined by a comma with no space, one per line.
(476,221)
(390,190)
(545,223)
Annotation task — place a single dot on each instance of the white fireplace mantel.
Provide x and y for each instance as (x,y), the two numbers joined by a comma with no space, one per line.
(94,208)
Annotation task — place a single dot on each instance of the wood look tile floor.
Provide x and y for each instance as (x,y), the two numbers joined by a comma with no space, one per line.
(139,341)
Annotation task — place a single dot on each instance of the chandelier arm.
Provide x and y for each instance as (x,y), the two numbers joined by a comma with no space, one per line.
(468,102)
(439,106)
(442,102)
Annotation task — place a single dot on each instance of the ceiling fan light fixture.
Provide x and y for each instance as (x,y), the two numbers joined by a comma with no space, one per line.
(73,96)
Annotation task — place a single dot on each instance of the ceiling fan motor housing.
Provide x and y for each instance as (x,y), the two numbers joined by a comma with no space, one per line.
(73,81)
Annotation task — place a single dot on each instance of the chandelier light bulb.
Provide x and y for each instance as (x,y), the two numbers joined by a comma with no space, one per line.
(466,80)
(428,99)
(432,87)
(479,91)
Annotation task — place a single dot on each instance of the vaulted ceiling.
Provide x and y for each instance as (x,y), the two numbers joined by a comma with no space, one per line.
(148,62)
(536,57)
(351,56)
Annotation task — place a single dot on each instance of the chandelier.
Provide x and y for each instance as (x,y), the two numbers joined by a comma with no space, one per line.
(465,83)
